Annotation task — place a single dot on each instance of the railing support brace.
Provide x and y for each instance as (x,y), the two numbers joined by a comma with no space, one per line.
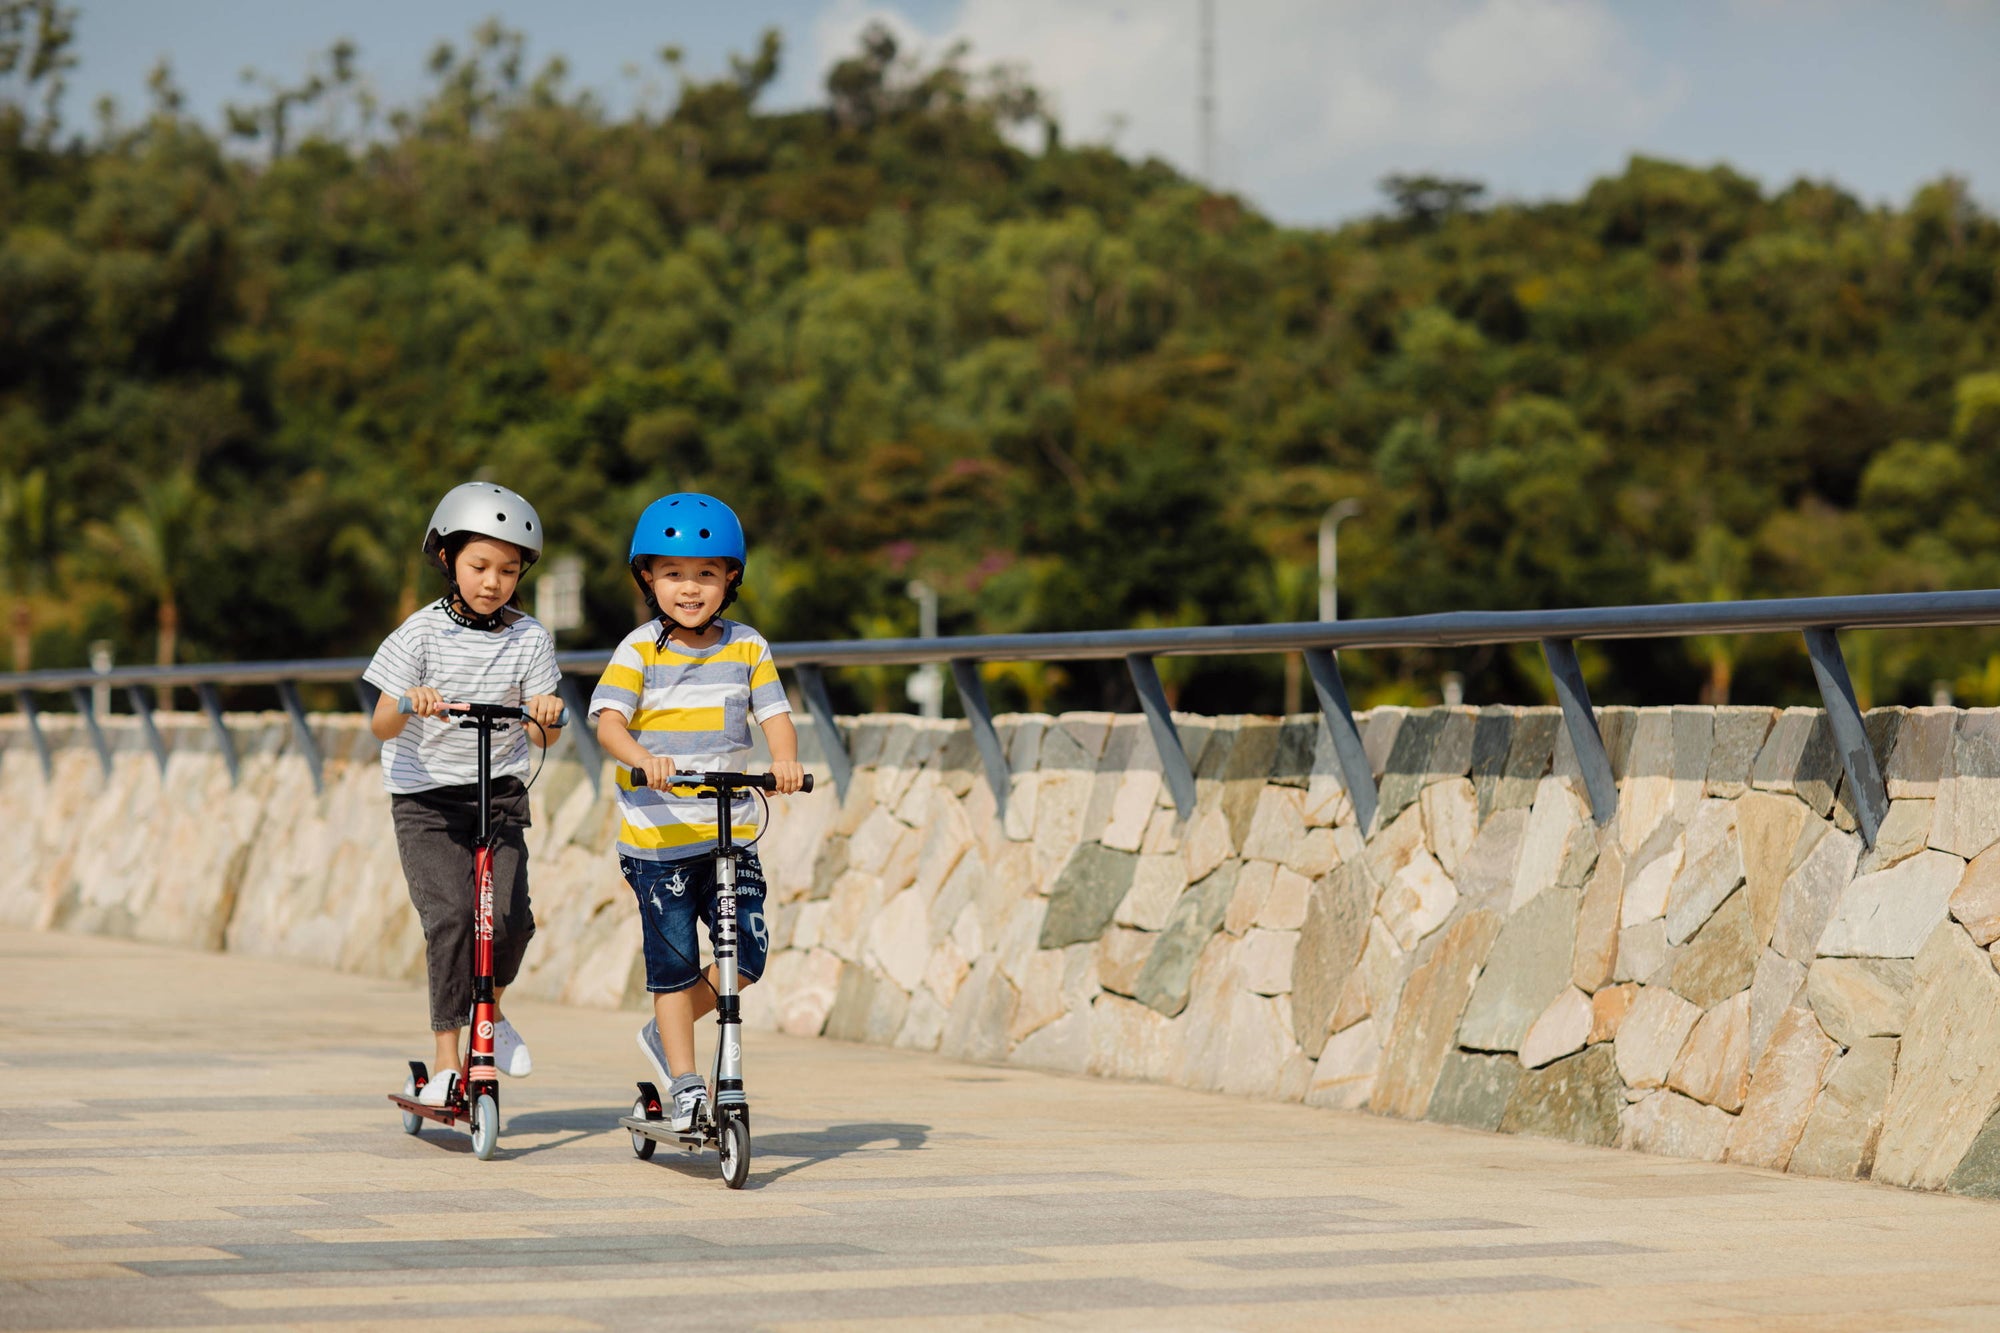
(579,730)
(142,708)
(88,713)
(211,704)
(1347,750)
(1166,737)
(302,732)
(1850,737)
(25,699)
(972,694)
(1584,737)
(812,684)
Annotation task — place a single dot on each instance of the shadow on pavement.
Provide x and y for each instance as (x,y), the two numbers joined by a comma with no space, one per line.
(806,1148)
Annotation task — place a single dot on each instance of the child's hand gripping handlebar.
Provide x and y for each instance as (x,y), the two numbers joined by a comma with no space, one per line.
(494,712)
(722,781)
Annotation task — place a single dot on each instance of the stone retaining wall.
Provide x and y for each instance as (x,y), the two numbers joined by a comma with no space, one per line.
(1724,971)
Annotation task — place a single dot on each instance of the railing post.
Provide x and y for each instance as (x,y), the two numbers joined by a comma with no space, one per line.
(1584,737)
(211,704)
(588,752)
(812,684)
(1347,748)
(302,732)
(33,713)
(142,708)
(89,715)
(1850,737)
(1166,737)
(972,694)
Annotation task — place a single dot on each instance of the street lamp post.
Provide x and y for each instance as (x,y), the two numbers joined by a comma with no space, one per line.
(1329,556)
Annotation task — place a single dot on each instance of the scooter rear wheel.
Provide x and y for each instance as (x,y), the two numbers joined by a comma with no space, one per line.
(412,1122)
(642,1146)
(732,1142)
(485,1126)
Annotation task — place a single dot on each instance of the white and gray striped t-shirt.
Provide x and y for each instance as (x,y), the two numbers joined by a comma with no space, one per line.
(503,666)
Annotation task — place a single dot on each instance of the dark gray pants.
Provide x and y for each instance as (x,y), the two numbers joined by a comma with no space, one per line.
(436,832)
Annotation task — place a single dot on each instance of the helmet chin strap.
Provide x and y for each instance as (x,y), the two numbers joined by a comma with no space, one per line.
(452,603)
(668,624)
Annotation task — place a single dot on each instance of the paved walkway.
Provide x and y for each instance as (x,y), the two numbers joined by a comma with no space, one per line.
(201,1140)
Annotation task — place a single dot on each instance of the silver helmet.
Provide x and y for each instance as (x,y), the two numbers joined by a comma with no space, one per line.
(481,509)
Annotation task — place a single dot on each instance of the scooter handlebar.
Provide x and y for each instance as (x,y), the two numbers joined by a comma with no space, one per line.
(498,711)
(722,781)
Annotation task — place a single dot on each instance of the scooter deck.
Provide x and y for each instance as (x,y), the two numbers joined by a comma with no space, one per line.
(661,1132)
(444,1115)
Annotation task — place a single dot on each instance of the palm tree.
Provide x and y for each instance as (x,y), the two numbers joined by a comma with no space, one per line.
(152,541)
(26,553)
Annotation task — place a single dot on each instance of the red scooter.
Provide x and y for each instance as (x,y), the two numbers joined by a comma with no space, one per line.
(476,1099)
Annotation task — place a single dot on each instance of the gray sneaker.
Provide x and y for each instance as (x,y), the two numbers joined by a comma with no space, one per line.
(656,1055)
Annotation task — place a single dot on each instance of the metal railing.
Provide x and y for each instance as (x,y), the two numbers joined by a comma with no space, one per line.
(1819,619)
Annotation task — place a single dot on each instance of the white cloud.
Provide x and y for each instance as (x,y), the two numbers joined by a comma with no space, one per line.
(1315,97)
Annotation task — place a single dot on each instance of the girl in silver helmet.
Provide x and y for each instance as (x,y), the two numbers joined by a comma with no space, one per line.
(473,645)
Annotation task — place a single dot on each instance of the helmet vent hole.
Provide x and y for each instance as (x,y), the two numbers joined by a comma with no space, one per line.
(704,532)
(671,532)
(530,524)
(499,518)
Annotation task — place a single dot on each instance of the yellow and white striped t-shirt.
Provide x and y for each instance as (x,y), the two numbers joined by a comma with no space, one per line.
(695,707)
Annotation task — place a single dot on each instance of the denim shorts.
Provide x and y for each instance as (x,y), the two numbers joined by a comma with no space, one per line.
(672,894)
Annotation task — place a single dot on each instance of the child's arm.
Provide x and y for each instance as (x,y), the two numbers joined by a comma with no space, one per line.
(783,738)
(544,709)
(616,737)
(388,721)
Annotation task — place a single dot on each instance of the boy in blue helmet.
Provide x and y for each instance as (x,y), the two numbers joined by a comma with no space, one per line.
(679,696)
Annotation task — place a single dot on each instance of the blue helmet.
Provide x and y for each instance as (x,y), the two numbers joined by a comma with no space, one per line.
(690,525)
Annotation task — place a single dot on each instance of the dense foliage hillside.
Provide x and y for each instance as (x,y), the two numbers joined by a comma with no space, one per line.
(1068,389)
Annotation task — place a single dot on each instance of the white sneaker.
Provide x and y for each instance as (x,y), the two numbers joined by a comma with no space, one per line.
(510,1053)
(437,1092)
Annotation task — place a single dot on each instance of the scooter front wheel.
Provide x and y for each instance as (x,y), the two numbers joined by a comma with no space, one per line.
(732,1142)
(642,1146)
(412,1122)
(485,1126)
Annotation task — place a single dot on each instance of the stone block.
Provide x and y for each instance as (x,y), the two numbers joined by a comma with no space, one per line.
(1594,958)
(1651,754)
(1285,907)
(1846,1122)
(1778,985)
(1967,818)
(1975,902)
(1650,875)
(1528,757)
(1344,1075)
(1556,819)
(1578,1099)
(1608,1008)
(1905,831)
(1041,1000)
(1264,961)
(1086,894)
(1492,738)
(1783,1087)
(809,995)
(976,1026)
(1417,900)
(1132,808)
(1978,1172)
(1298,740)
(1562,1029)
(1777,765)
(1169,970)
(1128,1040)
(847,1020)
(1948,1070)
(1922,756)
(1379,730)
(1528,966)
(1486,873)
(1380,977)
(1207,844)
(1891,913)
(1693,729)
(1277,824)
(1714,1064)
(1157,883)
(1705,882)
(1473,1090)
(1451,820)
(1739,735)
(1253,888)
(1330,943)
(1642,951)
(1670,1125)
(1858,998)
(1433,1000)
(1767,829)
(1616,723)
(899,939)
(1314,854)
(1812,892)
(1406,771)
(1721,960)
(1650,1039)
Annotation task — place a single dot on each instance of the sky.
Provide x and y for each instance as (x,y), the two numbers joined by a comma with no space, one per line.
(1316,100)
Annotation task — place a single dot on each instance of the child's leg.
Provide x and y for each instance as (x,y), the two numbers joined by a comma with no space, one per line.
(513,914)
(440,880)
